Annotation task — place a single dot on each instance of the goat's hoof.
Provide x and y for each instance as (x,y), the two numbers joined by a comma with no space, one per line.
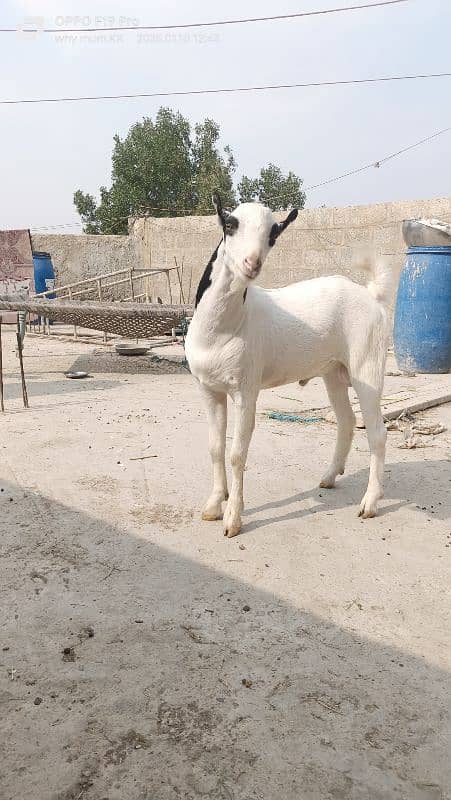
(232,518)
(210,517)
(328,480)
(368,506)
(232,531)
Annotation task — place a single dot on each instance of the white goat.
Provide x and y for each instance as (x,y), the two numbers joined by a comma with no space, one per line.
(243,338)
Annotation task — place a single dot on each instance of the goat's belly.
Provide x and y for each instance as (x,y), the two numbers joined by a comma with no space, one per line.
(272,380)
(289,367)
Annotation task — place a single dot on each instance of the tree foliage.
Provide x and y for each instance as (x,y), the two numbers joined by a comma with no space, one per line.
(273,189)
(213,172)
(163,167)
(160,168)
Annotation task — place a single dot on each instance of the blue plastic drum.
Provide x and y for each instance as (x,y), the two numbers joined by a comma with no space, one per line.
(422,328)
(44,275)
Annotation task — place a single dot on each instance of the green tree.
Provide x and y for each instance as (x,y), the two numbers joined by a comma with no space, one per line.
(87,208)
(212,171)
(273,188)
(248,189)
(158,168)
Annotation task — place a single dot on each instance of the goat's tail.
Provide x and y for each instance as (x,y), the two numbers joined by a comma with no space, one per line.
(381,283)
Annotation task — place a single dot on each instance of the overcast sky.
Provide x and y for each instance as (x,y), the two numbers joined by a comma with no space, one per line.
(48,151)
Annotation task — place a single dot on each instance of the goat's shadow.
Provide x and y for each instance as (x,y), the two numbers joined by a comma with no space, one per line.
(407,484)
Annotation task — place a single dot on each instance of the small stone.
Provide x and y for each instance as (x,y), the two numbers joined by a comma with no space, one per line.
(5,649)
(247,683)
(37,701)
(139,621)
(241,547)
(246,608)
(68,654)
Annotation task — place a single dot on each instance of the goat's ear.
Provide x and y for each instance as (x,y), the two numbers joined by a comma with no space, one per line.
(279,227)
(291,218)
(216,200)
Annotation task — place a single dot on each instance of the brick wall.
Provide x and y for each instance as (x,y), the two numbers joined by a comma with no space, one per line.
(76,257)
(320,242)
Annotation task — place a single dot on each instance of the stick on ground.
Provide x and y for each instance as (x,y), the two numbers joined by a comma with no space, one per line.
(22,374)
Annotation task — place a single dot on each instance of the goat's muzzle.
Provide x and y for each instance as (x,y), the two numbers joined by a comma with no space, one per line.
(252,266)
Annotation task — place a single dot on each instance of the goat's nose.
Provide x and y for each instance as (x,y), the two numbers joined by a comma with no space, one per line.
(253,262)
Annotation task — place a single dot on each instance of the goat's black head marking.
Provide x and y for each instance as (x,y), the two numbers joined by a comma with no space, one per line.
(205,280)
(228,222)
(279,227)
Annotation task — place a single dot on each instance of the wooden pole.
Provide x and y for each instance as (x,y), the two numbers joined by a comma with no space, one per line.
(169,286)
(180,277)
(190,280)
(99,292)
(132,288)
(75,327)
(22,374)
(2,405)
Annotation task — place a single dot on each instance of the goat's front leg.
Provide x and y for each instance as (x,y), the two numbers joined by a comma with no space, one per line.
(244,426)
(216,407)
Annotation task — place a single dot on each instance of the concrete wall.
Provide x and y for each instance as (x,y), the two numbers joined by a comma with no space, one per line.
(76,257)
(320,242)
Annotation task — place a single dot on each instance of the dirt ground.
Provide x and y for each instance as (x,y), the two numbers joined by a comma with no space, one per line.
(145,657)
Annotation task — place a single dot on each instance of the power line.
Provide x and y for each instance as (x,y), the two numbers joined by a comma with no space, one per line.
(380,161)
(230,90)
(215,23)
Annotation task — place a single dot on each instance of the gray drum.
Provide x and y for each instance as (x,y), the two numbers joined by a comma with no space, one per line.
(426,233)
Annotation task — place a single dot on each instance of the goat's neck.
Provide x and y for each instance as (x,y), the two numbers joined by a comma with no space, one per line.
(222,309)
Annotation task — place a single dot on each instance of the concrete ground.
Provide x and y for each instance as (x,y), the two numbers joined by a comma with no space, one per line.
(145,657)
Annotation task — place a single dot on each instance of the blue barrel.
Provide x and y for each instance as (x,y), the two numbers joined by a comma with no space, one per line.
(422,329)
(44,275)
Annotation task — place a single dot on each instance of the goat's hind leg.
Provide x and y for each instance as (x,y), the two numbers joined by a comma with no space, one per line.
(369,393)
(337,390)
(216,408)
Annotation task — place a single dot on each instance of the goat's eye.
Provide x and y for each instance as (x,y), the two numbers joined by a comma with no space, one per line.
(230,225)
